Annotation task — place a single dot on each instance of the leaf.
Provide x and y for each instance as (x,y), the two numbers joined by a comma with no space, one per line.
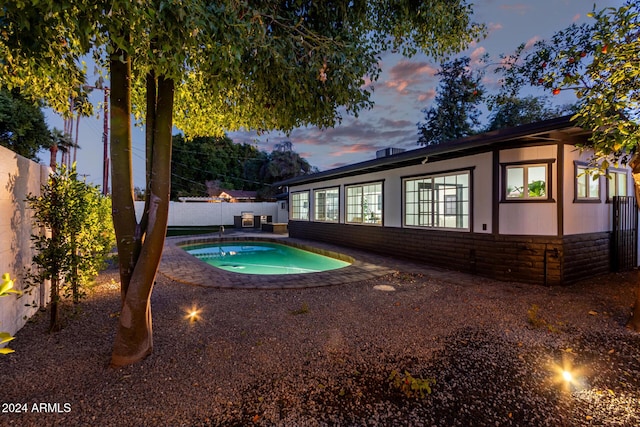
(5,337)
(6,350)
(593,313)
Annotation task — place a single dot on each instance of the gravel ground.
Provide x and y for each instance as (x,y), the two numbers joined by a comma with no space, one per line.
(325,356)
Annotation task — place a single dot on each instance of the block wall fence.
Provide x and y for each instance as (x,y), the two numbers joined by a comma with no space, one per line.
(18,177)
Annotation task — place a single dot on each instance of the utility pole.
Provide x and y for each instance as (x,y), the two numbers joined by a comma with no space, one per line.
(105,138)
(105,135)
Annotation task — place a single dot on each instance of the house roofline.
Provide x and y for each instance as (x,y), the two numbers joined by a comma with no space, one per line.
(479,142)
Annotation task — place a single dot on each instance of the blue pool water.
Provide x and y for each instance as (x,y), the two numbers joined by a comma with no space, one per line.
(263,258)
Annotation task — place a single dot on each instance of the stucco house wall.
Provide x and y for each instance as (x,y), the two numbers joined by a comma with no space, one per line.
(552,240)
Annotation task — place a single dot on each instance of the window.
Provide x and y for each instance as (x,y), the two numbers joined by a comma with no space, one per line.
(526,182)
(440,201)
(616,183)
(326,204)
(364,203)
(587,184)
(300,205)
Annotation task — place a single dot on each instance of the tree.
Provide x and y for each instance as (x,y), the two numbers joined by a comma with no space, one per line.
(515,111)
(207,68)
(284,163)
(22,125)
(58,141)
(600,62)
(203,159)
(455,114)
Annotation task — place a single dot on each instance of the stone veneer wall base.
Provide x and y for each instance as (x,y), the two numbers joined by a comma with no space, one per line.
(547,260)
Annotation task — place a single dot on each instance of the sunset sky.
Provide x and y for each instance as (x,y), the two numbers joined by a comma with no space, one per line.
(405,87)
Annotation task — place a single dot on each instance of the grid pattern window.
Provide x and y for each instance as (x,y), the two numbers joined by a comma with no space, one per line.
(326,204)
(300,206)
(587,184)
(364,203)
(527,182)
(437,201)
(616,183)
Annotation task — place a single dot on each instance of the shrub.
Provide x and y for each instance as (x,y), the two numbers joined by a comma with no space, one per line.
(80,236)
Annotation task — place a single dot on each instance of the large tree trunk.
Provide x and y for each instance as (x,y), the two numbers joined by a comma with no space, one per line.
(54,154)
(634,322)
(124,216)
(134,338)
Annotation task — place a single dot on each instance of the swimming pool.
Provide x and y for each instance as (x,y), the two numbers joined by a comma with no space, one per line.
(263,258)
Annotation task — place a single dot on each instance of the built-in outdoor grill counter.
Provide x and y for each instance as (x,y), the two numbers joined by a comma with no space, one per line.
(249,220)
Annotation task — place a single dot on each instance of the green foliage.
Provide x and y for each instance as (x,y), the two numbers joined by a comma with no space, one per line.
(230,166)
(410,386)
(511,111)
(277,65)
(6,288)
(534,319)
(193,163)
(94,240)
(207,68)
(22,125)
(537,188)
(284,163)
(79,239)
(304,309)
(455,114)
(599,62)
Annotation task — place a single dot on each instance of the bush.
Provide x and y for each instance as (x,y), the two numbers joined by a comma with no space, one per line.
(80,236)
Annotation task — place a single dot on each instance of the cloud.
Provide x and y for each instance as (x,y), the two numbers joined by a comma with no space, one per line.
(406,75)
(476,56)
(427,96)
(353,141)
(493,27)
(532,41)
(519,8)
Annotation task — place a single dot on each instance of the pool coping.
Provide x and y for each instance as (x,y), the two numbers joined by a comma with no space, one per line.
(182,267)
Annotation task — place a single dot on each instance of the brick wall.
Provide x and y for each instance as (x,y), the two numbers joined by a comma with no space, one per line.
(531,259)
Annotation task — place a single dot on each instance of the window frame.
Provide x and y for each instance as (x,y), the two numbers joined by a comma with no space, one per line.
(547,163)
(380,203)
(617,171)
(324,190)
(432,211)
(576,175)
(293,205)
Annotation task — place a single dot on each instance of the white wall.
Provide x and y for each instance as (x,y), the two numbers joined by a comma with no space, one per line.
(586,217)
(18,178)
(201,214)
(392,191)
(531,218)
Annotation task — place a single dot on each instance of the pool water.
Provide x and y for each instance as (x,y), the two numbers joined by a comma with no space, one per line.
(263,258)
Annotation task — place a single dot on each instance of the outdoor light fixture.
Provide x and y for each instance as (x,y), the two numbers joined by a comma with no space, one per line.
(193,314)
(568,376)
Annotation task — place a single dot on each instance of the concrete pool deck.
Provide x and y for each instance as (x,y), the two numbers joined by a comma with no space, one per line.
(182,267)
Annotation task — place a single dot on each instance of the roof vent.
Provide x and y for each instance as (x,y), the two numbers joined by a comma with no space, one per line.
(389,151)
